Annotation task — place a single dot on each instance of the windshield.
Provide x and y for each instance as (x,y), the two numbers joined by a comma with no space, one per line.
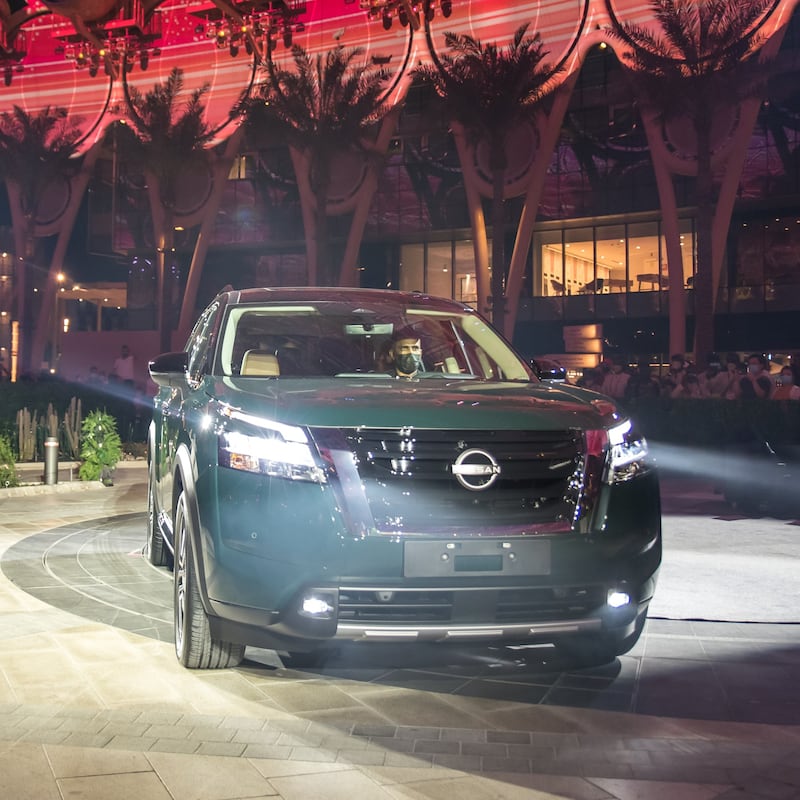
(328,339)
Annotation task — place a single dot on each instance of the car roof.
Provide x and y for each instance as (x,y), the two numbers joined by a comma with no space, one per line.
(333,294)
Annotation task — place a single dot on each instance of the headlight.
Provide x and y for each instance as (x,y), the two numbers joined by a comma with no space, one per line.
(627,453)
(268,448)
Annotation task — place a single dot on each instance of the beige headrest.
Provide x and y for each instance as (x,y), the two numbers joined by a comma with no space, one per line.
(259,363)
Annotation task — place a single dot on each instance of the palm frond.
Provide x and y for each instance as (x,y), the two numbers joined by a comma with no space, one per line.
(326,101)
(490,89)
(36,146)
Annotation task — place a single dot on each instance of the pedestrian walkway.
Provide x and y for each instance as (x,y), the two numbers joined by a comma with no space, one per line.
(91,709)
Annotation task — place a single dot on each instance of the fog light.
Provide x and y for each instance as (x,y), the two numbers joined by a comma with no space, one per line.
(317,606)
(618,599)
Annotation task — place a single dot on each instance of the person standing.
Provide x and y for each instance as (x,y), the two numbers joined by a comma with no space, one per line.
(615,382)
(124,366)
(713,381)
(785,387)
(755,383)
(733,374)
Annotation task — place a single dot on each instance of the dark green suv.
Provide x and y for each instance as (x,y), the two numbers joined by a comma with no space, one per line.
(348,464)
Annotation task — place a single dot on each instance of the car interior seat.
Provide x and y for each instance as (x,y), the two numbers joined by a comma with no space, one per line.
(260,363)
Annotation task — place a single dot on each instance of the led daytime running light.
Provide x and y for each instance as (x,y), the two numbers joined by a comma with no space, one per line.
(274,449)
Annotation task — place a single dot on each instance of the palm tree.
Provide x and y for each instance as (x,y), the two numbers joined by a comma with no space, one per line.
(164,135)
(36,151)
(489,92)
(695,64)
(327,106)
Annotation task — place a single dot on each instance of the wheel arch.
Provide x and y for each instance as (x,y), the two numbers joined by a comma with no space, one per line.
(183,482)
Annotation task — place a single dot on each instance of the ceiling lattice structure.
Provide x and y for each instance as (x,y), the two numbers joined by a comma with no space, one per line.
(79,54)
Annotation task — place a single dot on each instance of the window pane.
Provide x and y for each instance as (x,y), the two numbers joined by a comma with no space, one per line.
(440,265)
(464,266)
(611,259)
(647,261)
(412,267)
(548,268)
(579,272)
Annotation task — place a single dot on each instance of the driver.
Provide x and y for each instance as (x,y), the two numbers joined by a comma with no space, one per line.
(405,355)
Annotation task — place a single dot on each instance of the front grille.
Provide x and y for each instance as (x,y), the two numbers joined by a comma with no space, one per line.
(571,602)
(410,485)
(470,606)
(407,606)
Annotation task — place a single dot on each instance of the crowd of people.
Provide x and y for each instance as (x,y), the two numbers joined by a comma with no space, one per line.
(735,378)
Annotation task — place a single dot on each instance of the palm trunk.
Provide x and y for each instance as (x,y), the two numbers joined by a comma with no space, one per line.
(22,224)
(164,237)
(704,285)
(321,189)
(164,255)
(498,239)
(671,233)
(727,191)
(549,130)
(366,192)
(302,171)
(477,224)
(220,174)
(66,225)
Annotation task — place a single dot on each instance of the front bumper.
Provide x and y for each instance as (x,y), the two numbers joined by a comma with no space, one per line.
(500,613)
(391,588)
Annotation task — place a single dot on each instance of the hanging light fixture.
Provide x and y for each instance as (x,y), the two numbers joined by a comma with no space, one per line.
(408,12)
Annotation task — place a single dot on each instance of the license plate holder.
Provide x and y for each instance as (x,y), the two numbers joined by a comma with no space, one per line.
(441,558)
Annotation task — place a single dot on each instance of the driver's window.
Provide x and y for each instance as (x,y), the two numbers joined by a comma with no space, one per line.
(197,348)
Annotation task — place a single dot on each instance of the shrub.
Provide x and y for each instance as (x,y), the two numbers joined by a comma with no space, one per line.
(101,448)
(8,467)
(62,398)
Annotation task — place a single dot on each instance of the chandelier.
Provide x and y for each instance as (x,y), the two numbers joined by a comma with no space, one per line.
(115,45)
(407,12)
(12,50)
(255,25)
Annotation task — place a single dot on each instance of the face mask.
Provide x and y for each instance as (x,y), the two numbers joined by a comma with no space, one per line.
(408,363)
(753,369)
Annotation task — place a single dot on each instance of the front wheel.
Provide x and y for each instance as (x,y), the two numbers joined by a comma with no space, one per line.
(194,645)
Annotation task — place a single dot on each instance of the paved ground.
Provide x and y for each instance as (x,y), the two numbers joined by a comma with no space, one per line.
(94,705)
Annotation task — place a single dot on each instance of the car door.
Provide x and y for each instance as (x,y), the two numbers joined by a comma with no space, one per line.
(171,403)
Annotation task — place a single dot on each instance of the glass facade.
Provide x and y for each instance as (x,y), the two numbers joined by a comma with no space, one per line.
(440,268)
(607,259)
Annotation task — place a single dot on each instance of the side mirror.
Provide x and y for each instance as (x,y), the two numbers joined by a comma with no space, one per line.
(548,370)
(170,369)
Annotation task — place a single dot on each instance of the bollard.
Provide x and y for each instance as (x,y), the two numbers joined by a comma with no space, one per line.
(51,460)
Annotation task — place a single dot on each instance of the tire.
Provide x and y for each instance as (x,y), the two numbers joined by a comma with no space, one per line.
(194,645)
(155,549)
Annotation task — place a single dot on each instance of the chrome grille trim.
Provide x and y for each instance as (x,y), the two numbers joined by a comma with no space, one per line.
(410,486)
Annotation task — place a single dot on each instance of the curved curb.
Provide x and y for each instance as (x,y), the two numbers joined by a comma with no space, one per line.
(55,488)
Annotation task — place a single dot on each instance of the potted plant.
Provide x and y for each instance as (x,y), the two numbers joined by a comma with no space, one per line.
(101,448)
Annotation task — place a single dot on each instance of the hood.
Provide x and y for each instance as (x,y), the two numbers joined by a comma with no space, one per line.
(427,403)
